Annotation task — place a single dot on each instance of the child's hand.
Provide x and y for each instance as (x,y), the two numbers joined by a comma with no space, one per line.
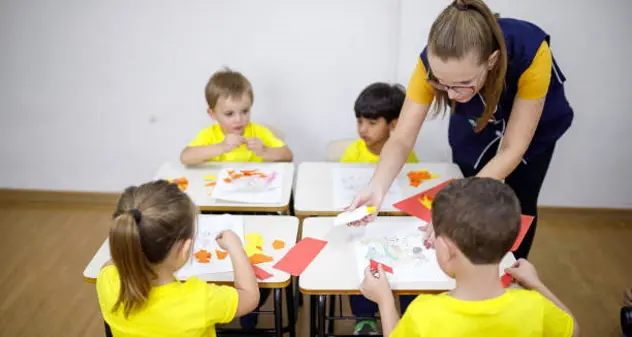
(232,141)
(255,145)
(524,272)
(375,286)
(228,241)
(429,235)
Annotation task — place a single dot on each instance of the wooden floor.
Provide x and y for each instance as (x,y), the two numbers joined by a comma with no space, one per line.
(584,257)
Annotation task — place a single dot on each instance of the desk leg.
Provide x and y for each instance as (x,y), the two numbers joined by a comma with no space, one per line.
(332,313)
(108,331)
(291,316)
(278,313)
(321,315)
(312,315)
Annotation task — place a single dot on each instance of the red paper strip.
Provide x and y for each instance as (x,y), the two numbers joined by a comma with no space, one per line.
(506,280)
(412,206)
(300,256)
(261,274)
(374,266)
(525,223)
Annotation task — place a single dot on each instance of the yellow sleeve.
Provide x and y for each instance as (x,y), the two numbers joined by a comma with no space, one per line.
(351,154)
(556,322)
(419,90)
(204,138)
(408,325)
(534,82)
(221,303)
(412,158)
(267,137)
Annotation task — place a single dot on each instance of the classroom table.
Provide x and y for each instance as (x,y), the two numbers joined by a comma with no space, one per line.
(313,195)
(271,227)
(334,272)
(199,193)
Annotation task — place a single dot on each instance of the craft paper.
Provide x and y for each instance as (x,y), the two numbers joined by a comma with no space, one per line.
(525,223)
(261,274)
(250,184)
(348,181)
(300,256)
(506,280)
(417,204)
(400,247)
(208,228)
(374,266)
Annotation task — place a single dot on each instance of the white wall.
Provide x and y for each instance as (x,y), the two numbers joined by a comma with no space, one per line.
(95,95)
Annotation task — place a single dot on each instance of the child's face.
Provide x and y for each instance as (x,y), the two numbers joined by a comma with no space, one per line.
(374,131)
(232,113)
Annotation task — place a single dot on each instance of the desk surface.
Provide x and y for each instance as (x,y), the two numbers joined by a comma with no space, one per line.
(314,185)
(199,193)
(271,227)
(334,270)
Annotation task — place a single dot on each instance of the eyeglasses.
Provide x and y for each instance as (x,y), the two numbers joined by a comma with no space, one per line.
(459,89)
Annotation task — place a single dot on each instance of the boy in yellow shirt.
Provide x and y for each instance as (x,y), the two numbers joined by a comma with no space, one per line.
(377,110)
(476,221)
(234,138)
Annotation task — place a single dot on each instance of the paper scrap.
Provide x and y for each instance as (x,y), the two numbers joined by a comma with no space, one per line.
(203,256)
(210,177)
(261,274)
(300,256)
(260,258)
(221,254)
(278,244)
(182,182)
(506,280)
(374,266)
(254,242)
(426,201)
(525,223)
(416,178)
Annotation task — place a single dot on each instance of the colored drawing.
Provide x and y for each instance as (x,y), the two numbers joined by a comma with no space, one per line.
(349,181)
(250,184)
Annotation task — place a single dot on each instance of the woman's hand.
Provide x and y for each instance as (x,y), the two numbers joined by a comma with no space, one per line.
(370,196)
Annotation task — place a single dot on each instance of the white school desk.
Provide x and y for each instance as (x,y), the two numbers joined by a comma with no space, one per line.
(334,271)
(313,195)
(271,227)
(199,193)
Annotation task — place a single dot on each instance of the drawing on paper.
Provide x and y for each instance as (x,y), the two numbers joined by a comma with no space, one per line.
(207,257)
(348,181)
(250,184)
(399,246)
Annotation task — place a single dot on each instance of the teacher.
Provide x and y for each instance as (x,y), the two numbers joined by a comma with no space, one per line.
(506,95)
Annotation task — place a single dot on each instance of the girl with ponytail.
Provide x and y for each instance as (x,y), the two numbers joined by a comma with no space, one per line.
(150,239)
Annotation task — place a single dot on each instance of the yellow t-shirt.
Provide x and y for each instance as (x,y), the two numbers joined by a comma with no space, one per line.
(183,309)
(357,152)
(533,83)
(214,135)
(516,313)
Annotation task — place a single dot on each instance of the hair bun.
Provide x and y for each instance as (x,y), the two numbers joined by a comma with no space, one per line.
(461,5)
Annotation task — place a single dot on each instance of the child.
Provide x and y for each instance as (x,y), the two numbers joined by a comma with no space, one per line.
(150,239)
(234,138)
(377,110)
(476,221)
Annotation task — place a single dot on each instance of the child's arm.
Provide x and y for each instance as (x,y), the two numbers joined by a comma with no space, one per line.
(193,155)
(524,272)
(377,289)
(245,280)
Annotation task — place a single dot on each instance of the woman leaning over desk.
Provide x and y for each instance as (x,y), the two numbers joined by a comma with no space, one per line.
(507,98)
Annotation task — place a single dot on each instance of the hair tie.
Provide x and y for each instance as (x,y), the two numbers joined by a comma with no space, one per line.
(460,5)
(136,214)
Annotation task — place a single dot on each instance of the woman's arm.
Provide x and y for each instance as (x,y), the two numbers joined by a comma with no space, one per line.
(525,116)
(399,144)
(520,129)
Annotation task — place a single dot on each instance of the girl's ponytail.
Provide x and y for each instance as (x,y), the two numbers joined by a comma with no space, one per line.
(133,267)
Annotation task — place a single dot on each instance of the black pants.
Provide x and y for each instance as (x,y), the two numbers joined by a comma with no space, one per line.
(526,181)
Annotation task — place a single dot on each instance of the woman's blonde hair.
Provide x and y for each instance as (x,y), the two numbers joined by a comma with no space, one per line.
(148,222)
(464,27)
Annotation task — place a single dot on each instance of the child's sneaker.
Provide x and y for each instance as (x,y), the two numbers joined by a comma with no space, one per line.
(365,328)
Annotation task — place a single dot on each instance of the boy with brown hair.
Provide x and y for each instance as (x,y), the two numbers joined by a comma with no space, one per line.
(234,138)
(476,221)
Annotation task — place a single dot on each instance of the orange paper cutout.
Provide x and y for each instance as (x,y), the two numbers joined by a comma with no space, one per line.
(260,258)
(278,244)
(416,178)
(203,256)
(182,182)
(221,254)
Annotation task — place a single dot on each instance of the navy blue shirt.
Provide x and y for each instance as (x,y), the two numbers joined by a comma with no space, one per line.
(523,39)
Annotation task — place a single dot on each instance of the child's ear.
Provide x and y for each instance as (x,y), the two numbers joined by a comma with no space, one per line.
(392,125)
(185,249)
(211,113)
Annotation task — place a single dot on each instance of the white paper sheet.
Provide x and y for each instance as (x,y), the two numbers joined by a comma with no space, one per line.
(252,189)
(206,232)
(348,181)
(399,246)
